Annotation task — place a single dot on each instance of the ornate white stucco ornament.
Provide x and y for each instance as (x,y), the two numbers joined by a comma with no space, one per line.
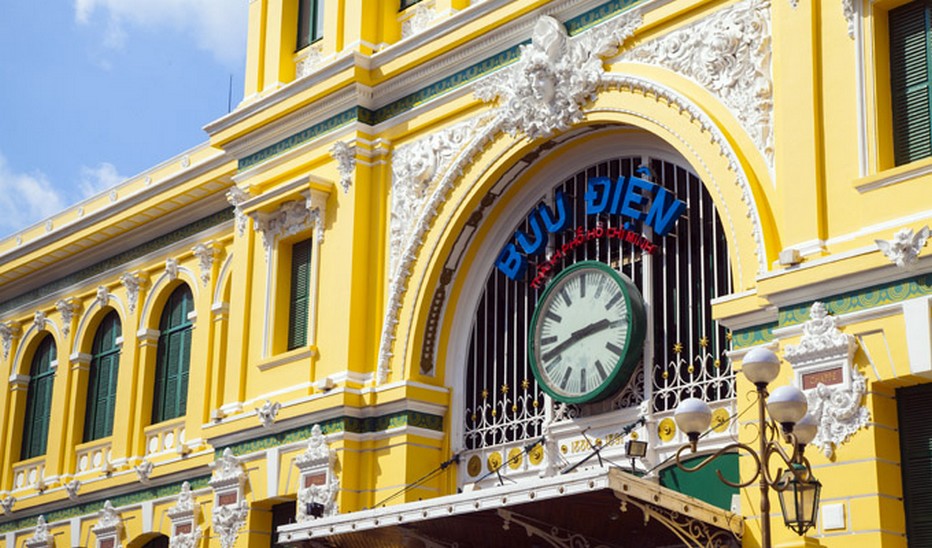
(230,507)
(825,354)
(109,526)
(318,483)
(413,168)
(67,308)
(848,8)
(546,90)
(728,53)
(184,517)
(103,296)
(7,502)
(821,340)
(206,253)
(144,471)
(309,59)
(42,537)
(422,19)
(227,467)
(39,320)
(905,246)
(267,413)
(171,268)
(185,503)
(236,196)
(72,487)
(290,218)
(227,520)
(7,331)
(133,283)
(345,155)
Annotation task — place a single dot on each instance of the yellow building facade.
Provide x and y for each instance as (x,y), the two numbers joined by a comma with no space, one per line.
(328,324)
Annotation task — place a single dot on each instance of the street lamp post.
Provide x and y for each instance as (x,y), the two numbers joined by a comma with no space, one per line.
(786,406)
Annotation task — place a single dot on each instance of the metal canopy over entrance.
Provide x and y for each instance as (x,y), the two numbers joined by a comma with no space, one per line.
(594,508)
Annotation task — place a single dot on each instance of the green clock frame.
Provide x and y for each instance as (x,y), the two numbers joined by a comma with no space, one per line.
(627,361)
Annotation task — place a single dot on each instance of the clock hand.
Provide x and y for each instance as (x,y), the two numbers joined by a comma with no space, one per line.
(579,334)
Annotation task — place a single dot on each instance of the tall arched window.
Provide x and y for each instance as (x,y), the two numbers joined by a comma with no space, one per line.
(174,355)
(39,400)
(102,384)
(684,353)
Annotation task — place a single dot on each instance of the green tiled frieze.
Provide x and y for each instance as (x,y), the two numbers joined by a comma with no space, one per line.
(574,26)
(120,258)
(861,299)
(840,303)
(597,15)
(752,336)
(328,125)
(333,426)
(92,507)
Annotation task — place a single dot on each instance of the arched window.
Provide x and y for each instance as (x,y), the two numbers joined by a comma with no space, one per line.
(39,400)
(102,384)
(174,355)
(685,348)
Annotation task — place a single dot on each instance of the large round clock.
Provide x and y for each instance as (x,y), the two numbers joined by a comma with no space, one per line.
(587,333)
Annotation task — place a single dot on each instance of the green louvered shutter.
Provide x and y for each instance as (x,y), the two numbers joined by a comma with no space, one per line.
(911,81)
(173,358)
(913,406)
(300,294)
(102,382)
(38,400)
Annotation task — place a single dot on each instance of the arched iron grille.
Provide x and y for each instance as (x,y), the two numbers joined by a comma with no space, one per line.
(688,270)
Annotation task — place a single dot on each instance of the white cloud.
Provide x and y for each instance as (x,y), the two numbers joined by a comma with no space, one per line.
(25,198)
(218,26)
(95,180)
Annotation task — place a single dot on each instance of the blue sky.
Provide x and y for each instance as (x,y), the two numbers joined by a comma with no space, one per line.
(95,91)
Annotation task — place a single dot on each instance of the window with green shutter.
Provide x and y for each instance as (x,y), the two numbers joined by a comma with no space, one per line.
(300,294)
(173,357)
(310,22)
(102,380)
(911,80)
(916,461)
(39,400)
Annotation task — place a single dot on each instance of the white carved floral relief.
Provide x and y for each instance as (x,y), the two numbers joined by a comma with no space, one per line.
(837,408)
(728,53)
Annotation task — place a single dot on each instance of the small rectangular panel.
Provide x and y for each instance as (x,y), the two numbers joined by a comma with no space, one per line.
(227,498)
(182,528)
(315,479)
(827,377)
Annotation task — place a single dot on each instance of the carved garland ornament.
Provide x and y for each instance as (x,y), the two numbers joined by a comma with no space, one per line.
(290,218)
(206,254)
(521,108)
(8,331)
(727,53)
(236,196)
(345,155)
(67,308)
(836,408)
(133,284)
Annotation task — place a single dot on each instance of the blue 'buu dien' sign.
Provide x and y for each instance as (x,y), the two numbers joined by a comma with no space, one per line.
(630,197)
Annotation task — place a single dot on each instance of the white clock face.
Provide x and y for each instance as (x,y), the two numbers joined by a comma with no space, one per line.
(581,333)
